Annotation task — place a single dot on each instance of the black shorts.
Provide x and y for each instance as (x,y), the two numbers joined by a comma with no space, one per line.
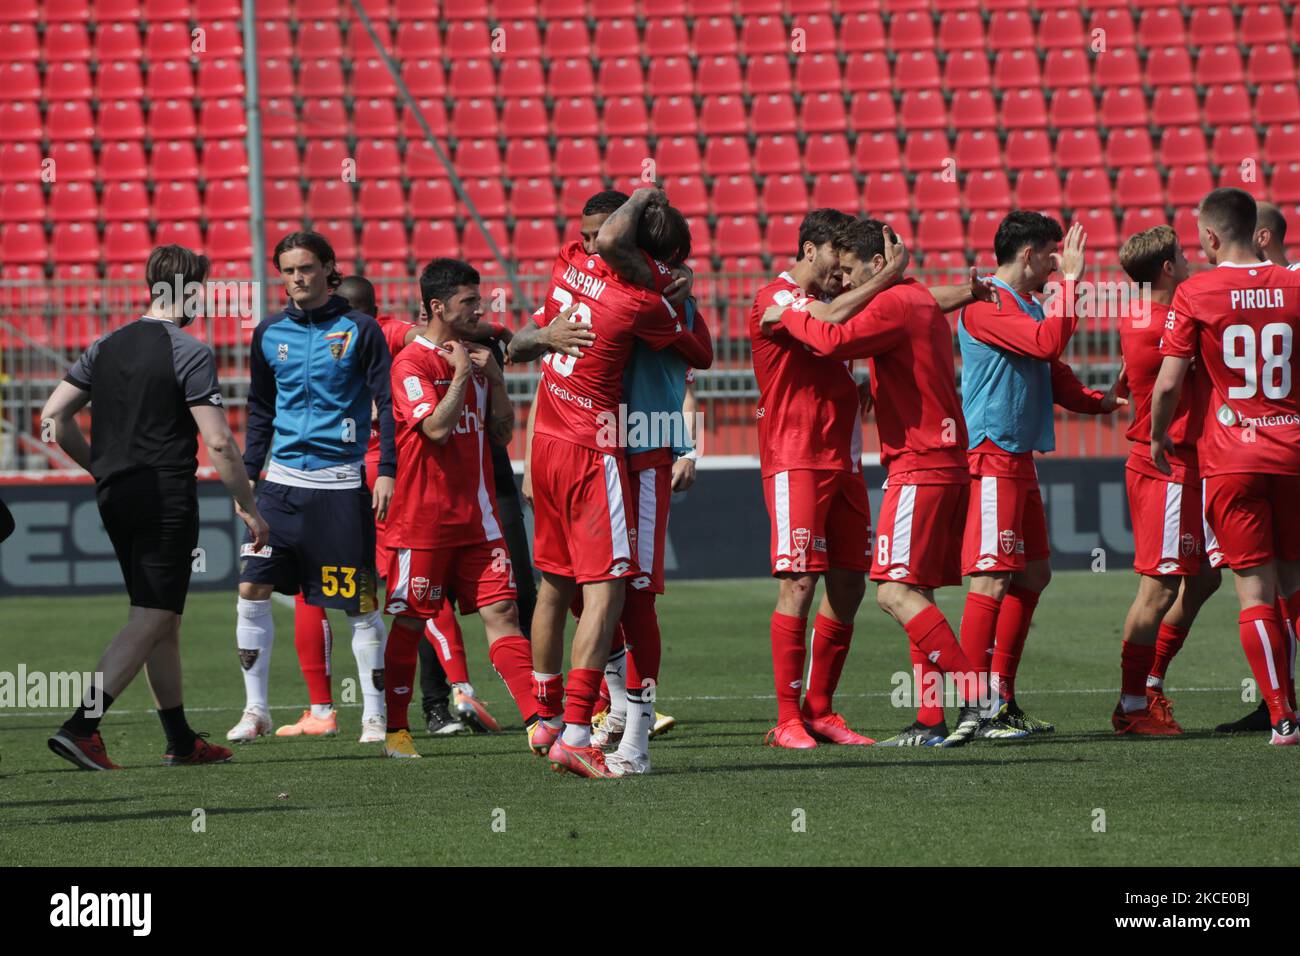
(322,544)
(153,522)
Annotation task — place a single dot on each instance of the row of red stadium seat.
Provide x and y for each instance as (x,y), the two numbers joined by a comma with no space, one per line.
(566,39)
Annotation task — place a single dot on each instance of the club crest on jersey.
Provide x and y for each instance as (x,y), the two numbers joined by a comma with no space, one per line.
(282,352)
(338,343)
(1187,545)
(419,587)
(1007,540)
(801,537)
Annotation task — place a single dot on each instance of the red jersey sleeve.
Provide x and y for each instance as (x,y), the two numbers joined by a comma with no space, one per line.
(877,328)
(415,395)
(1016,332)
(395,332)
(1180,328)
(1072,394)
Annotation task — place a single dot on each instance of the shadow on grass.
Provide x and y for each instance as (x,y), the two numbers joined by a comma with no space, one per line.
(63,802)
(939,762)
(156,815)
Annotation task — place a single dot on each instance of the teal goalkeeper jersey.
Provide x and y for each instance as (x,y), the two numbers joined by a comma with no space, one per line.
(654,387)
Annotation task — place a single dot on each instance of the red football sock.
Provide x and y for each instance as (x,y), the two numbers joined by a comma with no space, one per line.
(1135,665)
(931,633)
(1291,617)
(789,640)
(1013,627)
(580,694)
(400,654)
(443,632)
(1169,641)
(548,695)
(604,692)
(979,623)
(929,679)
(1264,641)
(830,649)
(512,658)
(644,645)
(313,640)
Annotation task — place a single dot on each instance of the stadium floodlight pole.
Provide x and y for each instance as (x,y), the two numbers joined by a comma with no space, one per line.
(511,277)
(257,206)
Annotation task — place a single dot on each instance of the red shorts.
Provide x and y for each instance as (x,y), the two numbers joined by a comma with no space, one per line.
(1254,518)
(477,574)
(1168,527)
(821,519)
(917,537)
(582,528)
(651,491)
(381,549)
(1005,525)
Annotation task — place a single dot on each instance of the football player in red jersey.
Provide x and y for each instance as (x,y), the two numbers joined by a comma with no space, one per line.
(311,630)
(810,454)
(583,530)
(1177,574)
(1239,321)
(444,535)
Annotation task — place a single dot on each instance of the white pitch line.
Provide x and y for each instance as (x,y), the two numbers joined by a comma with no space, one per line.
(217,710)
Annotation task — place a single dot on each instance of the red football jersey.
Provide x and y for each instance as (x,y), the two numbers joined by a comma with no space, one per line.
(578,394)
(395,335)
(908,340)
(1140,332)
(808,414)
(445,493)
(1240,323)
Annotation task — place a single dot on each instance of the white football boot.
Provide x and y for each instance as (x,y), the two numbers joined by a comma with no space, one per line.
(254,723)
(374,729)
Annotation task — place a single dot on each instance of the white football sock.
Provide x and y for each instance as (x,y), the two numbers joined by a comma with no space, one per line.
(465,688)
(368,639)
(616,681)
(255,633)
(322,711)
(577,735)
(1132,702)
(640,720)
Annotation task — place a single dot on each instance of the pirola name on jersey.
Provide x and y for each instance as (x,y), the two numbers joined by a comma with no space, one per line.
(1256,299)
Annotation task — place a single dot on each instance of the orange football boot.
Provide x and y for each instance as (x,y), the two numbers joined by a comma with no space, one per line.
(309,726)
(791,734)
(583,761)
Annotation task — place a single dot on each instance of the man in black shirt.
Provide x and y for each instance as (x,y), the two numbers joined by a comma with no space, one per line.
(154,389)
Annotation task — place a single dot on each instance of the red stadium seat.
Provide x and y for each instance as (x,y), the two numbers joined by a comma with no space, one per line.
(1116,26)
(1066,68)
(70,120)
(621,77)
(1119,67)
(886,192)
(119,162)
(330,199)
(714,36)
(868,71)
(574,194)
(1129,147)
(182,232)
(223,119)
(1263,24)
(524,38)
(666,37)
(987,189)
(467,39)
(1016,68)
(472,79)
(226,199)
(528,118)
(1175,106)
(120,120)
(1161,26)
(371,78)
(735,195)
(1078,147)
(1187,185)
(676,156)
(973,109)
(571,78)
(674,116)
(1010,30)
(1169,66)
(1031,149)
(535,239)
(723,116)
(222,37)
(63,42)
(283,199)
(25,242)
(671,76)
(1212,26)
(431,197)
(168,40)
(1183,146)
(822,113)
(1088,188)
(1139,186)
(877,151)
(1072,107)
(381,199)
(728,155)
(324,158)
(774,155)
(782,195)
(176,161)
(941,231)
(18,41)
(274,39)
(1060,29)
(567,39)
(279,118)
(911,30)
(960,30)
(1100,226)
(63,81)
(419,39)
(375,119)
(1023,109)
(324,118)
(1038,189)
(1270,64)
(474,246)
(920,109)
(385,239)
(769,74)
(1140,219)
(1219,65)
(1284,187)
(121,41)
(535,198)
(826,153)
(526,158)
(274,77)
(616,38)
(578,157)
(1247,176)
(74,161)
(926,150)
(978,149)
(625,116)
(55,11)
(1185,226)
(933,191)
(123,242)
(738,236)
(873,110)
(916,70)
(967,70)
(474,119)
(1282,143)
(624,157)
(434,114)
(718,75)
(1227,106)
(25,202)
(818,33)
(781,235)
(478,158)
(224,159)
(361,47)
(1232,144)
(1279,103)
(1123,106)
(818,73)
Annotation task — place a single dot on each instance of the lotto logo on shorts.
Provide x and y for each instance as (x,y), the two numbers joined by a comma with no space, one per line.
(783,564)
(1169,567)
(983,564)
(641,583)
(898,573)
(246,551)
(619,569)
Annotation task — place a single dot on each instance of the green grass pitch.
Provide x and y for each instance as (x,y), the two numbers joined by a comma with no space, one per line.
(717,796)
